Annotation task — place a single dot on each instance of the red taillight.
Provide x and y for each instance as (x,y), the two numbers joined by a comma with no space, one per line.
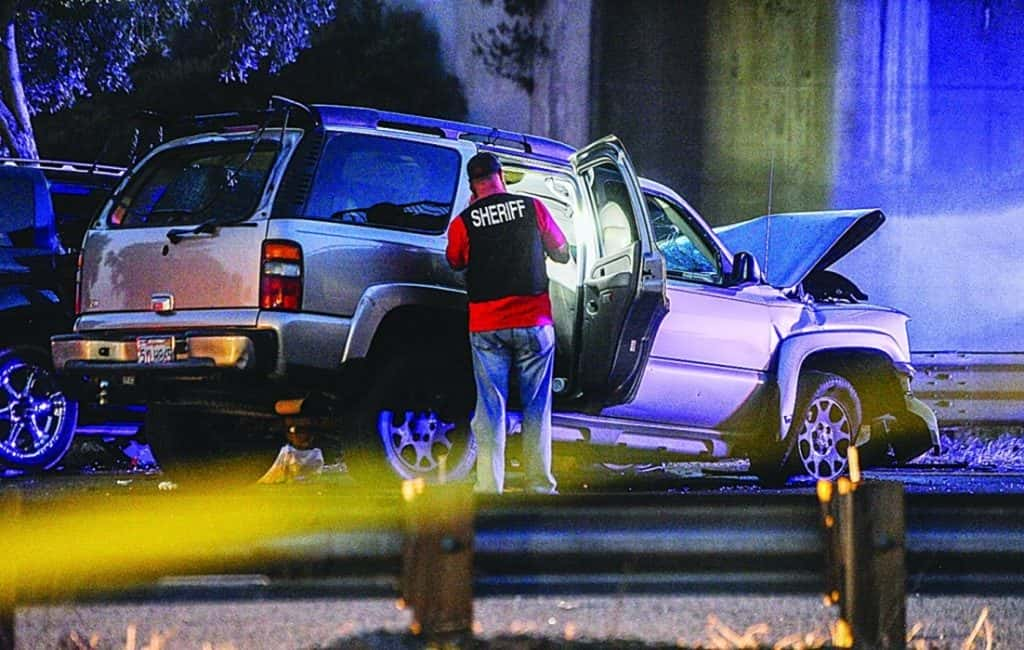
(78,286)
(281,276)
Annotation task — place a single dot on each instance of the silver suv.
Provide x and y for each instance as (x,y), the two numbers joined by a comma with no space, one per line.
(305,254)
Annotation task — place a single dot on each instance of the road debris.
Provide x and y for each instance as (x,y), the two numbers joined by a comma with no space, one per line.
(294,464)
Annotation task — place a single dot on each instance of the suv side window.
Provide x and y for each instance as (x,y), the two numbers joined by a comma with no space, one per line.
(688,256)
(190,185)
(387,182)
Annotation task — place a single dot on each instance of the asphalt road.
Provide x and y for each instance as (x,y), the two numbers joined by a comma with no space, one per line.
(124,465)
(688,620)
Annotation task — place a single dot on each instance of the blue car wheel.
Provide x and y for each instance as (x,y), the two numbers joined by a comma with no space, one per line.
(37,420)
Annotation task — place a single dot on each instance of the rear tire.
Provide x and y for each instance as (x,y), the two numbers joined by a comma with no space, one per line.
(414,423)
(37,420)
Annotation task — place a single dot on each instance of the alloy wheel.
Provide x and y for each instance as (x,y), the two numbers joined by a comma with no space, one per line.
(824,439)
(36,419)
(418,443)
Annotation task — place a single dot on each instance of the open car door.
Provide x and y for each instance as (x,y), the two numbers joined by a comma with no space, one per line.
(623,291)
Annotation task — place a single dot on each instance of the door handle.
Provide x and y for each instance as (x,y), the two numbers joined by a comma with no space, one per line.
(620,280)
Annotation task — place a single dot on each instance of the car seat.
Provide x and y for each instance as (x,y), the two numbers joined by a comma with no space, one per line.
(616,232)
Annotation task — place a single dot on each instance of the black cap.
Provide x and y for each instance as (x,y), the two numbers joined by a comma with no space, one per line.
(482,165)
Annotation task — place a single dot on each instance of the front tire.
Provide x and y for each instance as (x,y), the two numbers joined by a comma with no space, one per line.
(826,420)
(37,420)
(828,417)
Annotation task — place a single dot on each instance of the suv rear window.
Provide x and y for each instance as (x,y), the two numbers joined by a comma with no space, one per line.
(193,184)
(388,182)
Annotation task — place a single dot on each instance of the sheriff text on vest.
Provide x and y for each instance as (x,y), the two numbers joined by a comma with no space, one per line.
(497,213)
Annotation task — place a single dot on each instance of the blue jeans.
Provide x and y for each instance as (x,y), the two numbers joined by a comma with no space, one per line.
(531,351)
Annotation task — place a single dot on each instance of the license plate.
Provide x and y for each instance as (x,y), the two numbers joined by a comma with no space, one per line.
(155,349)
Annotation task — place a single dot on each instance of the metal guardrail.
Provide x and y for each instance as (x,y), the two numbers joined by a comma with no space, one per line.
(662,543)
(980,388)
(358,545)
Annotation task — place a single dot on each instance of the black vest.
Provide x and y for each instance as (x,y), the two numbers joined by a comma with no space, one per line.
(506,254)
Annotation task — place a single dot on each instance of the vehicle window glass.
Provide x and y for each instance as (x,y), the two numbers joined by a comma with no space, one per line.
(193,184)
(76,202)
(615,218)
(20,211)
(379,181)
(555,190)
(687,255)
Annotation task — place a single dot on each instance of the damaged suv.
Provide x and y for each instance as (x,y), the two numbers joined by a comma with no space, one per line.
(300,250)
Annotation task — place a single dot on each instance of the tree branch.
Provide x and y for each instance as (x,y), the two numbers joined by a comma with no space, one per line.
(7,9)
(21,138)
(10,77)
(8,127)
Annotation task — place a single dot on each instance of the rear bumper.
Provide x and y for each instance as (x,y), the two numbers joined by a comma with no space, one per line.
(194,351)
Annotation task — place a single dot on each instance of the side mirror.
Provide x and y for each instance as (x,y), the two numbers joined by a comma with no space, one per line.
(745,270)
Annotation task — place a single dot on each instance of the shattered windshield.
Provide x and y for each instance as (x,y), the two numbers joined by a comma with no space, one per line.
(687,255)
(380,181)
(194,184)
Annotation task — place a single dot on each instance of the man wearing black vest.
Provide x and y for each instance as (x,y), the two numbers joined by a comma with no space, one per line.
(501,240)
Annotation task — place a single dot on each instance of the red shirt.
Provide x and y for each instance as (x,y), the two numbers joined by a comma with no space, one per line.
(511,311)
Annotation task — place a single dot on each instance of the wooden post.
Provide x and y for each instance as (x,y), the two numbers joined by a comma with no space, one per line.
(865,552)
(10,510)
(437,566)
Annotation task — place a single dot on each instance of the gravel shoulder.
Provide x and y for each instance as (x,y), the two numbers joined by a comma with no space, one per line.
(513,622)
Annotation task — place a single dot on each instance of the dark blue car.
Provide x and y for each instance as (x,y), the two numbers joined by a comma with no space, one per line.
(44,209)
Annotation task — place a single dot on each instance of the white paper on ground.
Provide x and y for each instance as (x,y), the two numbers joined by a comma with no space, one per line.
(294,464)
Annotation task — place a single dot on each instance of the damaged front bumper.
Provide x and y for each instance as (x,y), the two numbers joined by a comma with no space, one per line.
(917,410)
(924,413)
(911,432)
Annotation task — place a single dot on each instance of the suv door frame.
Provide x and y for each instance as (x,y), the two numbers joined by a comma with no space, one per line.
(567,321)
(625,306)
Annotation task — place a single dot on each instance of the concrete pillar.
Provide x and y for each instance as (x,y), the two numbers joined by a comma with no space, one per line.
(770,76)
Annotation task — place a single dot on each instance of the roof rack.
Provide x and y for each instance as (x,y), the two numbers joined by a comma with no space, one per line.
(279,108)
(279,113)
(498,138)
(317,115)
(65,166)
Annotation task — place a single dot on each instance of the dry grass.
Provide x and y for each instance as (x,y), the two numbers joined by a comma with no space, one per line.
(523,635)
(981,447)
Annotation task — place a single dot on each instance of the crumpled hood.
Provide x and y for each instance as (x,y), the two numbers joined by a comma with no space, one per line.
(791,246)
